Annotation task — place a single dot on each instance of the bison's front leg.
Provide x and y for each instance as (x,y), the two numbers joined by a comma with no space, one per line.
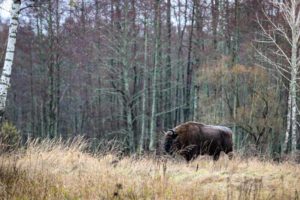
(217,156)
(230,155)
(189,152)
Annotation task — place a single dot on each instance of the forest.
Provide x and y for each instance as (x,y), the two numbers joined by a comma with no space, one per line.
(95,95)
(128,70)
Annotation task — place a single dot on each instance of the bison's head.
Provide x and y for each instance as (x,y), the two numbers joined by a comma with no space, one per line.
(169,140)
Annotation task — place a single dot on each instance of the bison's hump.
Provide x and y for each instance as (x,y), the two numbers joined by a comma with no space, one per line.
(221,128)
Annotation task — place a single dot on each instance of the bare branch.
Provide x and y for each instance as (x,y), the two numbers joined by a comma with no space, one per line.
(278,28)
(276,65)
(271,38)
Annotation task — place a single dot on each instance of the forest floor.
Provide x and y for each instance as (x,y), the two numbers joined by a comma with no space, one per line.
(55,170)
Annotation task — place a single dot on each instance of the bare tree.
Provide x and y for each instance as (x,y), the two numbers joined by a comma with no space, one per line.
(288,31)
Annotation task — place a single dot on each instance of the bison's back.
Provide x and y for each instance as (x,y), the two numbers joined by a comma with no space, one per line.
(225,133)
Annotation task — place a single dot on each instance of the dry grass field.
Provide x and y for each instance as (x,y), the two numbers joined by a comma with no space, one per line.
(56,170)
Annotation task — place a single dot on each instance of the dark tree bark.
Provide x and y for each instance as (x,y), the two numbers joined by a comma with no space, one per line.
(189,73)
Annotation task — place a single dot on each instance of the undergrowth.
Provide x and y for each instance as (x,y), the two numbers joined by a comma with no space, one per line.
(52,169)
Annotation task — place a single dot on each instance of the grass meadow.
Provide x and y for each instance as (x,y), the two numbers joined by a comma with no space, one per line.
(64,170)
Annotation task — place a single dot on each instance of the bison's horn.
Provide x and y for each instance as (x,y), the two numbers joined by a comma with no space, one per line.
(164,132)
(172,132)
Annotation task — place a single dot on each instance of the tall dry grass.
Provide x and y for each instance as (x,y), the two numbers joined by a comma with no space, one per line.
(62,170)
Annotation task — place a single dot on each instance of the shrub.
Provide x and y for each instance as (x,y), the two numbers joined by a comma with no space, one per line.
(9,136)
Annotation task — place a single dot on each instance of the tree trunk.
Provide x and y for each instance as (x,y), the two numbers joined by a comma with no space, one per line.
(215,19)
(57,66)
(168,78)
(179,94)
(288,124)
(144,91)
(236,33)
(126,64)
(128,110)
(133,60)
(32,99)
(293,92)
(188,115)
(293,20)
(9,56)
(152,145)
(195,103)
(51,76)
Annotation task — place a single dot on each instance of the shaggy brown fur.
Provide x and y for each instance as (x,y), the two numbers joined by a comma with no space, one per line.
(191,139)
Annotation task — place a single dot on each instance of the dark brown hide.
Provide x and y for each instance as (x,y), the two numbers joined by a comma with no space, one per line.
(191,139)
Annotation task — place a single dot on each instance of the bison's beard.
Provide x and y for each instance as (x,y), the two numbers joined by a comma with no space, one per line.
(168,143)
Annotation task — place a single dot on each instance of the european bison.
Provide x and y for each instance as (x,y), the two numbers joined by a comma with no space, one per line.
(191,139)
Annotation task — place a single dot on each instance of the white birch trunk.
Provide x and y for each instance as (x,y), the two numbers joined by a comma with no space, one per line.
(288,128)
(195,102)
(9,56)
(153,106)
(293,88)
(128,113)
(235,136)
(294,115)
(143,126)
(294,22)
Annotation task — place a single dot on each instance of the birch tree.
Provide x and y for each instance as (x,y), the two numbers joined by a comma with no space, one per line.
(289,32)
(9,56)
